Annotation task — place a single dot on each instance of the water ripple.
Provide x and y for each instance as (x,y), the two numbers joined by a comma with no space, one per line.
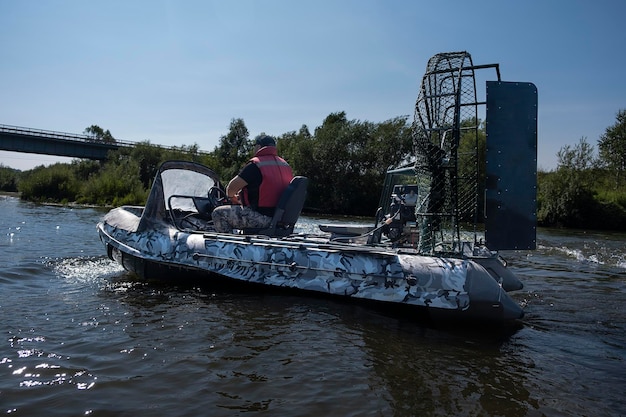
(83,337)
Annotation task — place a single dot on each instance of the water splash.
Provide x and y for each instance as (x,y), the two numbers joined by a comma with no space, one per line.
(86,270)
(590,255)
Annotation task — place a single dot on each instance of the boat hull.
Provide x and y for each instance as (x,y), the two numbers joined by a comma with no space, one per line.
(457,289)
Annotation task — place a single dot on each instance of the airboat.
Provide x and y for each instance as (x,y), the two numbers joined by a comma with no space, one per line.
(433,248)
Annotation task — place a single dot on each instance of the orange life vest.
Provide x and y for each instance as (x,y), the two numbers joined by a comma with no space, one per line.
(276,175)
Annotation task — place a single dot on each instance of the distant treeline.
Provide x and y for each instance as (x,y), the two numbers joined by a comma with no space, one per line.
(346,161)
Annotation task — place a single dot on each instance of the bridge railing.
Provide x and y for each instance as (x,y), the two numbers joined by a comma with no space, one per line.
(27,131)
(59,135)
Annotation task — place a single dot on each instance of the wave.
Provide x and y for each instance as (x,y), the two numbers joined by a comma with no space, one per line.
(601,256)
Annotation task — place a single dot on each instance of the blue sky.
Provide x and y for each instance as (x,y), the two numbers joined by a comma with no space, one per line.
(177,72)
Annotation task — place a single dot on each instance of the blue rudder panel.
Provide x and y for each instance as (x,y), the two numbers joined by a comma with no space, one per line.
(511,166)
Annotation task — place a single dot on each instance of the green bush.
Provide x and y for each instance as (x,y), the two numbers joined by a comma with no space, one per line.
(117,183)
(566,199)
(56,183)
(9,179)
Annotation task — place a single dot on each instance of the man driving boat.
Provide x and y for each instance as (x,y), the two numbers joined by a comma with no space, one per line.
(255,191)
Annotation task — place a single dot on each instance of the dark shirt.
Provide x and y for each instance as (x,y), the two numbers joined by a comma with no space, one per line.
(252,175)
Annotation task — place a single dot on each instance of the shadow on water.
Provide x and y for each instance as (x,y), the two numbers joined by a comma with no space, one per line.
(410,366)
(391,312)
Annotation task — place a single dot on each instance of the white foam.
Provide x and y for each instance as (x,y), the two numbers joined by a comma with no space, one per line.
(87,269)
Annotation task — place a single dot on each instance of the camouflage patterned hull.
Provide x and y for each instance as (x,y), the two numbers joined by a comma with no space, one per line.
(447,287)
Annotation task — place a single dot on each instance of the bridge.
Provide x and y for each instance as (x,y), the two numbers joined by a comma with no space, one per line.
(46,142)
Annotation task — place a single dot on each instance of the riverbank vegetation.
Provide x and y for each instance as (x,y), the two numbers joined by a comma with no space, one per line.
(346,161)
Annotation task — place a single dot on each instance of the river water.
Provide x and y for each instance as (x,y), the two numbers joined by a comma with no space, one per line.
(80,336)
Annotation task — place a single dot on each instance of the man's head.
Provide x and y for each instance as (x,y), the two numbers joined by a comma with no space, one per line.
(264,140)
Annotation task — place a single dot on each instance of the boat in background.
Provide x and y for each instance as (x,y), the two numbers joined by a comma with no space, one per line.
(425,252)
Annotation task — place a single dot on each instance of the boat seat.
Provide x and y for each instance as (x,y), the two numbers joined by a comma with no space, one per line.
(287,211)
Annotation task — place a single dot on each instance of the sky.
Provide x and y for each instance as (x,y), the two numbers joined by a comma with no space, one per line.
(177,72)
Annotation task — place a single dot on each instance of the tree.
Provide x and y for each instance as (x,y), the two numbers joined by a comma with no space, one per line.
(8,178)
(580,158)
(149,158)
(346,161)
(612,147)
(566,198)
(234,149)
(99,135)
(297,149)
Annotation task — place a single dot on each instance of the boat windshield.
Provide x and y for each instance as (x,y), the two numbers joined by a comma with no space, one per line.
(177,186)
(181,184)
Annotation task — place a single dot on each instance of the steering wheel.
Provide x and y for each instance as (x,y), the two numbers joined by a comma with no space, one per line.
(217,196)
